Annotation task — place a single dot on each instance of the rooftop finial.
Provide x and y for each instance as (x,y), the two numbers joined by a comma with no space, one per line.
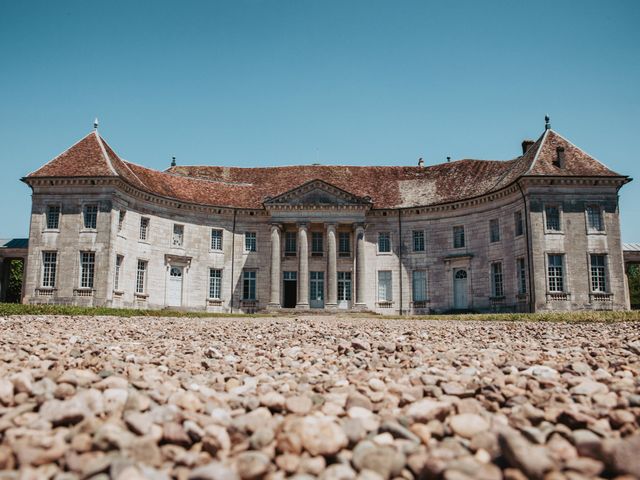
(547,122)
(173,161)
(448,159)
(420,162)
(95,124)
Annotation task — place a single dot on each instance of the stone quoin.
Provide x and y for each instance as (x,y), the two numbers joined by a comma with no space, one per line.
(537,233)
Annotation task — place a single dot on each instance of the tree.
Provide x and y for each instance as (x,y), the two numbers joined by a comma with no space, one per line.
(14,289)
(634,284)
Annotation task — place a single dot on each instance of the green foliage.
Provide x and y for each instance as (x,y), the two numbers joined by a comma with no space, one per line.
(14,289)
(634,284)
(8,309)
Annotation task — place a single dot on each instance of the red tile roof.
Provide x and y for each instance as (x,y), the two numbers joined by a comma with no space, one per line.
(388,187)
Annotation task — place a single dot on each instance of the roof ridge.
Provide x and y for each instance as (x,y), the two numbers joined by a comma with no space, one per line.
(104,152)
(542,138)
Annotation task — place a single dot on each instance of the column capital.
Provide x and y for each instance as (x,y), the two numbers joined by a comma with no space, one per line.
(359,226)
(275,225)
(331,226)
(303,225)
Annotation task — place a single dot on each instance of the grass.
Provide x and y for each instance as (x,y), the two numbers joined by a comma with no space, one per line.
(9,309)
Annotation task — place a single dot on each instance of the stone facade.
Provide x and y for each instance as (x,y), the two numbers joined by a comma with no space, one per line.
(338,247)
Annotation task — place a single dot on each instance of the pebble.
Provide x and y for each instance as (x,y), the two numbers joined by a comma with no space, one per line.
(317,397)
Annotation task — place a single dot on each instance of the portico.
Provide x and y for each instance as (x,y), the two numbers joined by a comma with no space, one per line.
(323,230)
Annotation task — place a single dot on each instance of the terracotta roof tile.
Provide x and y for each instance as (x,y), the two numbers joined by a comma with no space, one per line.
(387,186)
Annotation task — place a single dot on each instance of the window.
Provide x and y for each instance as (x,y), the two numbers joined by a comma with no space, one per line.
(49,263)
(290,244)
(522,276)
(384,286)
(497,286)
(121,216)
(116,278)
(141,276)
(419,285)
(594,218)
(178,236)
(215,282)
(53,217)
(519,224)
(250,242)
(87,269)
(556,275)
(418,240)
(458,237)
(552,214)
(144,228)
(344,286)
(216,239)
(494,230)
(384,242)
(344,244)
(90,217)
(598,274)
(317,244)
(249,285)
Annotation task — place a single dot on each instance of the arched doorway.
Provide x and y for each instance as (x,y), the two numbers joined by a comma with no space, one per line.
(460,289)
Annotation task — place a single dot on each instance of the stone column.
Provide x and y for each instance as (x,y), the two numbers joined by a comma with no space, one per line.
(332,270)
(360,264)
(274,301)
(303,267)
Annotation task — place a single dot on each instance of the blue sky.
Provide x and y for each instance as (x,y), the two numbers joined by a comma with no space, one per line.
(340,82)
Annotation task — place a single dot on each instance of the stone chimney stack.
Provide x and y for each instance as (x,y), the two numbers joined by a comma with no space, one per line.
(526,145)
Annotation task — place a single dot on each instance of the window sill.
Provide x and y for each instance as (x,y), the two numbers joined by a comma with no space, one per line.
(522,297)
(596,232)
(317,254)
(344,254)
(141,296)
(248,252)
(83,292)
(45,291)
(501,298)
(554,232)
(122,235)
(118,293)
(384,253)
(290,254)
(177,247)
(211,250)
(421,304)
(146,242)
(600,297)
(385,304)
(558,296)
(51,230)
(214,302)
(89,230)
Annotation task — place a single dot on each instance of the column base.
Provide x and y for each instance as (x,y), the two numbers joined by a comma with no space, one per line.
(273,306)
(360,307)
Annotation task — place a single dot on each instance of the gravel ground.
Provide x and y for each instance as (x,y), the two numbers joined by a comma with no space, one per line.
(317,397)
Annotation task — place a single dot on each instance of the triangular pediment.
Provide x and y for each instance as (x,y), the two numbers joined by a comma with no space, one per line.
(317,193)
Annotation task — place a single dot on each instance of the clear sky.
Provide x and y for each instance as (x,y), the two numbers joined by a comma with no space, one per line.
(365,82)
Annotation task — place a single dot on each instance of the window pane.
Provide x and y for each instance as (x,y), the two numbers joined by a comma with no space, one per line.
(53,217)
(316,242)
(418,241)
(384,242)
(458,237)
(249,285)
(90,216)
(215,280)
(49,260)
(144,228)
(216,239)
(598,273)
(419,285)
(496,280)
(121,217)
(141,276)
(519,223)
(250,241)
(555,273)
(344,242)
(116,279)
(594,218)
(178,235)
(553,218)
(87,268)
(494,228)
(290,242)
(522,276)
(384,286)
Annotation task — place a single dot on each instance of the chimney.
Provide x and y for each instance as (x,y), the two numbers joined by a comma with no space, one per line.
(526,145)
(173,161)
(420,162)
(448,159)
(561,161)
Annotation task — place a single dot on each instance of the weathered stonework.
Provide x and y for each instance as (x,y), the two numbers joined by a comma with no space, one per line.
(310,208)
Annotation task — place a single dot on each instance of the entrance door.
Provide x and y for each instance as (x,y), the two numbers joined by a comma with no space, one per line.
(344,290)
(174,287)
(290,289)
(316,289)
(460,289)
